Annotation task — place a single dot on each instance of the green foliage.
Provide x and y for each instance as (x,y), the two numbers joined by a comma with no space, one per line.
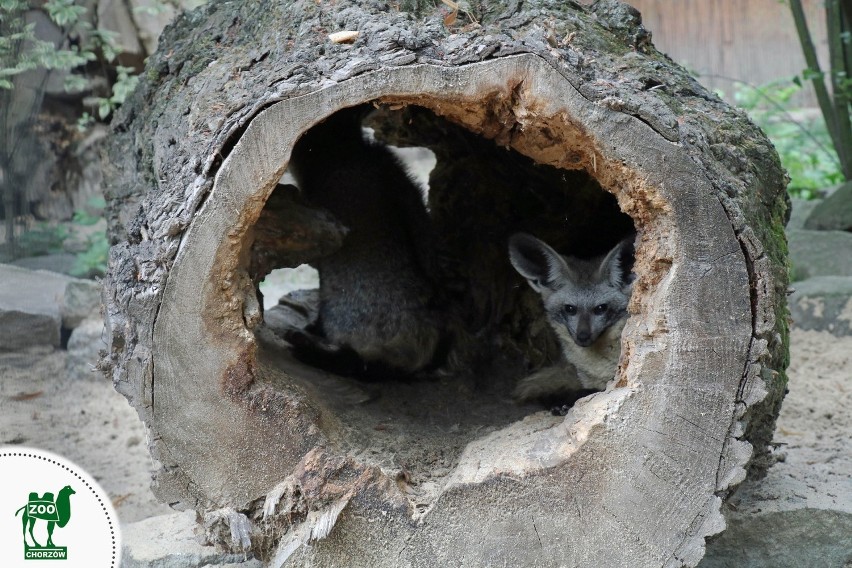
(92,261)
(64,12)
(44,238)
(85,217)
(124,84)
(81,237)
(21,50)
(803,142)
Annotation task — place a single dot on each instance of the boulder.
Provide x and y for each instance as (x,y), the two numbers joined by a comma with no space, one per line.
(62,262)
(82,300)
(834,213)
(819,253)
(800,210)
(804,537)
(29,307)
(823,303)
(84,347)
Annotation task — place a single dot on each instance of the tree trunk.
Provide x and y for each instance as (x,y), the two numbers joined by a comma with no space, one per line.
(545,117)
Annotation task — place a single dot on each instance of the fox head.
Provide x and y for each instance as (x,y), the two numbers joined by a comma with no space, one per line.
(582,297)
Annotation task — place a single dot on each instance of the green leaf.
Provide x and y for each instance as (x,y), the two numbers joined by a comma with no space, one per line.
(13,5)
(84,122)
(811,74)
(104,108)
(64,12)
(106,42)
(124,85)
(75,83)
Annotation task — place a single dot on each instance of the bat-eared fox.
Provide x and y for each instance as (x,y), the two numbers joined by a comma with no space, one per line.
(585,302)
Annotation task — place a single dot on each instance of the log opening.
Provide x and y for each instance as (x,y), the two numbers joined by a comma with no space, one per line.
(415,428)
(551,148)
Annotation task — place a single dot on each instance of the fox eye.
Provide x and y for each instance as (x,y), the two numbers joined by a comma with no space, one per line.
(600,309)
(570,310)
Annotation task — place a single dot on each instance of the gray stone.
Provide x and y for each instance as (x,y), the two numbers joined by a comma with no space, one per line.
(169,541)
(804,537)
(117,18)
(62,263)
(82,300)
(84,348)
(150,23)
(29,307)
(823,303)
(834,213)
(820,253)
(800,211)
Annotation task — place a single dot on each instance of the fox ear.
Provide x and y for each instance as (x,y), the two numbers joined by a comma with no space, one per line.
(617,265)
(535,260)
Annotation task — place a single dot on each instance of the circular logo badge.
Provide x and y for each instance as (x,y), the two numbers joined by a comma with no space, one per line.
(52,510)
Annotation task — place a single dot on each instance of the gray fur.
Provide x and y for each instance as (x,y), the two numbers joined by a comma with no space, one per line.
(375,295)
(586,305)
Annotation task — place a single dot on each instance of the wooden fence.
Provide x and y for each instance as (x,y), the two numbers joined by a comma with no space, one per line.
(753,41)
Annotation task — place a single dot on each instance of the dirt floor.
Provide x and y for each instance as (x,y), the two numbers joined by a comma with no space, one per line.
(87,422)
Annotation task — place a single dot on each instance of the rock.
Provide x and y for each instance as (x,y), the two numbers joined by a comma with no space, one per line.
(150,17)
(29,307)
(62,263)
(117,17)
(84,348)
(800,210)
(169,541)
(834,213)
(81,236)
(82,300)
(820,253)
(805,537)
(823,303)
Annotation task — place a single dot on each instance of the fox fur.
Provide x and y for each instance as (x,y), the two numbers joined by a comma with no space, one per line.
(585,302)
(377,303)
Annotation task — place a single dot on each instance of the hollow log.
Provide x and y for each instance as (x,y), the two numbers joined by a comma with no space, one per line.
(552,118)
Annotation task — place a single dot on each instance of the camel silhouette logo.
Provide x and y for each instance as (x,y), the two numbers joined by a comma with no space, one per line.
(55,513)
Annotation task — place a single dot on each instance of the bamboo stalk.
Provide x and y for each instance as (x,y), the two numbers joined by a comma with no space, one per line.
(843,126)
(846,28)
(812,62)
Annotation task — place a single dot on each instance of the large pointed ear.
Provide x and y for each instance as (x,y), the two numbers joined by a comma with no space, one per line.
(617,265)
(535,260)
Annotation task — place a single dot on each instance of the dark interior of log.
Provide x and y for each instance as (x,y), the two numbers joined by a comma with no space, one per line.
(479,194)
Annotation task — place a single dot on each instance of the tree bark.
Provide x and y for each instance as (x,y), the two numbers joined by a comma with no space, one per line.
(512,98)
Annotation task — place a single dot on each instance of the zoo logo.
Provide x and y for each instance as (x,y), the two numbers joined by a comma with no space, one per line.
(53,512)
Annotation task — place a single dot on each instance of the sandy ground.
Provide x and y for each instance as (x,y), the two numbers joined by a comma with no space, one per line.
(813,431)
(89,423)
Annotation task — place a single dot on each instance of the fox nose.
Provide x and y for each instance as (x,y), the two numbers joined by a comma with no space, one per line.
(584,338)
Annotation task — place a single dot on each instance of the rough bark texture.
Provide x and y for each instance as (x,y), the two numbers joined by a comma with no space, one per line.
(634,476)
